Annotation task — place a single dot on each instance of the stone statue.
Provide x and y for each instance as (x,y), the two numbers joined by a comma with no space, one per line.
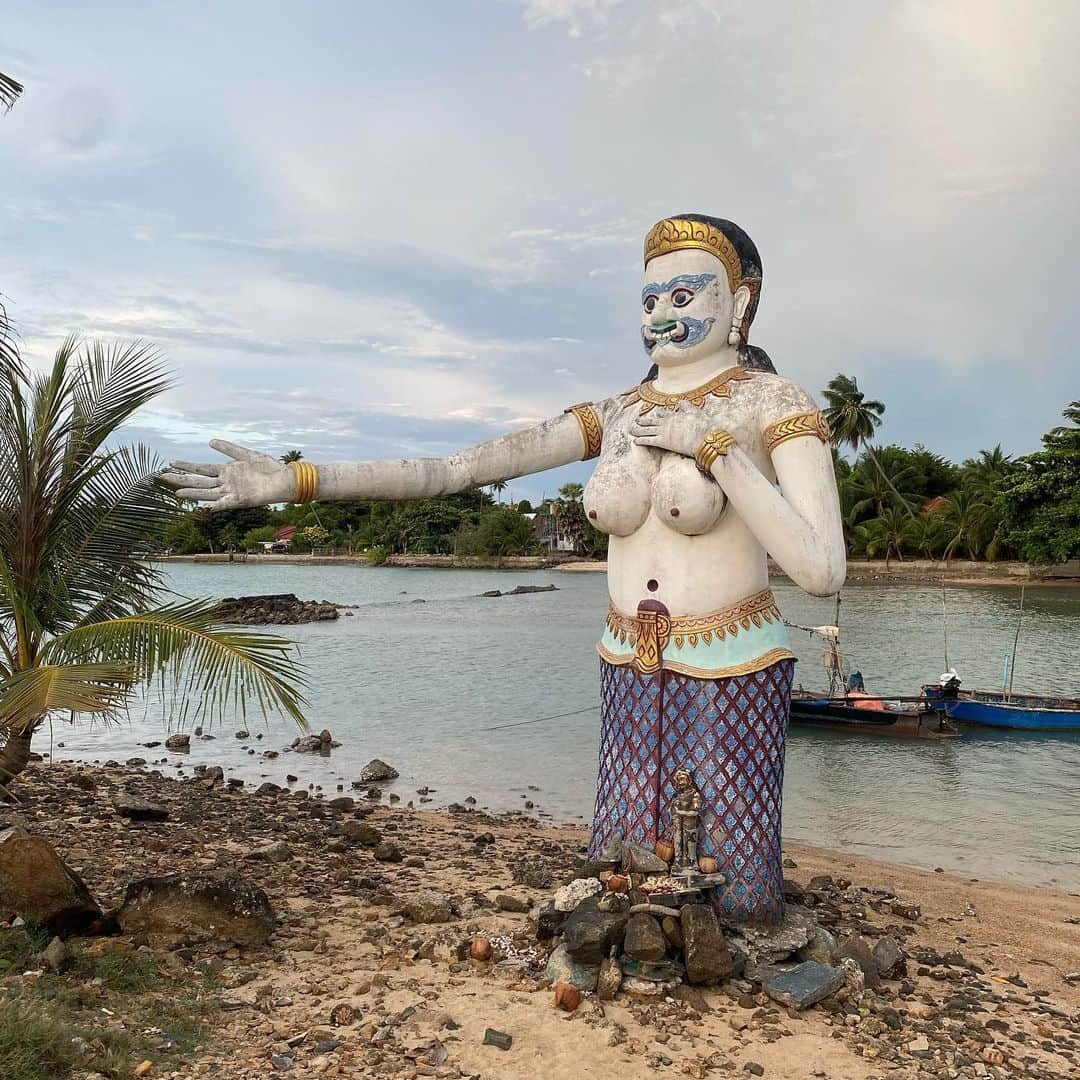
(703,467)
(685,808)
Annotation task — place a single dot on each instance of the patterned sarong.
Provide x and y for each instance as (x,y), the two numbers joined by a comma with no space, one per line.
(730,734)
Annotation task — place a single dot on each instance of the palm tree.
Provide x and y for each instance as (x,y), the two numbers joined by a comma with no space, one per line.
(290,456)
(967,521)
(499,486)
(83,618)
(890,533)
(986,472)
(853,419)
(869,488)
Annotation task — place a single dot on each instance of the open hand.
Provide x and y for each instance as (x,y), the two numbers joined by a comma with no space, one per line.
(250,479)
(681,431)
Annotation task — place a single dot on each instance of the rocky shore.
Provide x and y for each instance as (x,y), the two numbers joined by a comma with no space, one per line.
(276,609)
(401,943)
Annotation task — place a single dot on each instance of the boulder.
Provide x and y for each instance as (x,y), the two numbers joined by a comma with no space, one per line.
(705,953)
(561,967)
(135,809)
(428,907)
(859,950)
(37,885)
(644,939)
(569,896)
(771,943)
(889,955)
(803,985)
(590,934)
(180,741)
(219,905)
(387,852)
(310,744)
(609,979)
(376,770)
(549,921)
(276,851)
(821,947)
(640,860)
(360,832)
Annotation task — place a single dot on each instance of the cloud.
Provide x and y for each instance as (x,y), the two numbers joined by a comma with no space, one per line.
(409,252)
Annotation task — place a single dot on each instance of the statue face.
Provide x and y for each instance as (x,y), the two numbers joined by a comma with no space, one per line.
(682,781)
(686,307)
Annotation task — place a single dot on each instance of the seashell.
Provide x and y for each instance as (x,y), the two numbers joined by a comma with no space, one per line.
(480,948)
(618,883)
(567,997)
(665,849)
(708,865)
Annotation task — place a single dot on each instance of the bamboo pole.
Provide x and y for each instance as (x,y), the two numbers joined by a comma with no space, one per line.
(1016,641)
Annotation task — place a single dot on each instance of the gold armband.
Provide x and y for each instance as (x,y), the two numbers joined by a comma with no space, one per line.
(716,444)
(592,431)
(307,481)
(795,427)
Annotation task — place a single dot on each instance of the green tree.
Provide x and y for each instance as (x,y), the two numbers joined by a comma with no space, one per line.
(968,522)
(81,618)
(1041,498)
(230,537)
(499,486)
(500,531)
(265,534)
(888,534)
(853,418)
(315,536)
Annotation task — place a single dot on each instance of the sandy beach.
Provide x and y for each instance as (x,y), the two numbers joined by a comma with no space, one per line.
(989,987)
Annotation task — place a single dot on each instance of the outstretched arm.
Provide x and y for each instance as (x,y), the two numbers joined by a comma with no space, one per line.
(255,479)
(800,524)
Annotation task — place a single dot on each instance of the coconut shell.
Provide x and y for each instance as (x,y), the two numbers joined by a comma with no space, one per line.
(707,864)
(567,997)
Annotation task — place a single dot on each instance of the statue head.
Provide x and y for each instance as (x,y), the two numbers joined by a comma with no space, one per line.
(683,780)
(702,284)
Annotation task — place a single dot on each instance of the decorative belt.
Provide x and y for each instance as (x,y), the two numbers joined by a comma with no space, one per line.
(651,630)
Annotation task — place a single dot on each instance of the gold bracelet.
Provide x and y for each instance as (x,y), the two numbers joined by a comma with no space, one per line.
(307,481)
(716,444)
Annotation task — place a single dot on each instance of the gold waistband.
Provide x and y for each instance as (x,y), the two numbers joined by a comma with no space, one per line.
(690,629)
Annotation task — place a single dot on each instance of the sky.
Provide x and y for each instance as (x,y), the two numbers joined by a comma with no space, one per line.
(368,230)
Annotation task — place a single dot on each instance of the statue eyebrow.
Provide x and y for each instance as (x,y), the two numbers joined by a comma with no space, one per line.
(694,281)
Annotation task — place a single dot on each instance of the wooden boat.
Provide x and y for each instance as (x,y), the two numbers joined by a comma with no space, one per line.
(1000,709)
(841,714)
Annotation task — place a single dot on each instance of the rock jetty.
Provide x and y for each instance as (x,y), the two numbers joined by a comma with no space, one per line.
(275,609)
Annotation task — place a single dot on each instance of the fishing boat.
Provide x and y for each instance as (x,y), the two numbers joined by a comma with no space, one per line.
(846,706)
(891,721)
(1002,709)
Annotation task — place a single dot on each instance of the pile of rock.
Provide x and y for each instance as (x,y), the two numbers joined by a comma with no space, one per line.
(283,609)
(624,924)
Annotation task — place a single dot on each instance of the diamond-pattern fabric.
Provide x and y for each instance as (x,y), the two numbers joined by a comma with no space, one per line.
(730,733)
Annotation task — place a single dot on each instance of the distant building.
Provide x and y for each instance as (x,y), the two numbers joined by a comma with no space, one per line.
(548,532)
(283,544)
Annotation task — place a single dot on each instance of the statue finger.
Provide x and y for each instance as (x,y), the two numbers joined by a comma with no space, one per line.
(237,453)
(201,494)
(190,480)
(202,468)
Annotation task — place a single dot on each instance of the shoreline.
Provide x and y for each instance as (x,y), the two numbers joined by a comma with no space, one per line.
(985,977)
(860,571)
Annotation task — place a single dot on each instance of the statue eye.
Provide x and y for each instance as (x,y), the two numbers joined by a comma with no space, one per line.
(681,297)
(650,303)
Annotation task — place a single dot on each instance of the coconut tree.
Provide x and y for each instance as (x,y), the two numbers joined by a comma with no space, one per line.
(968,522)
(499,486)
(85,620)
(888,534)
(290,456)
(853,418)
(9,91)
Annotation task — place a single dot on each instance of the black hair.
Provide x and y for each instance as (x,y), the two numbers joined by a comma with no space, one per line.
(750,356)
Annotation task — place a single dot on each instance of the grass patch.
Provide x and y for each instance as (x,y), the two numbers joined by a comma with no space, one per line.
(108,1010)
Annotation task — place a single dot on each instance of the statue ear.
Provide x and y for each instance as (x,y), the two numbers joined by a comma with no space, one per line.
(742,302)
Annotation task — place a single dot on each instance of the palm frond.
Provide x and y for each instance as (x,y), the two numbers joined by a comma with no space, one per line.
(9,91)
(210,670)
(28,696)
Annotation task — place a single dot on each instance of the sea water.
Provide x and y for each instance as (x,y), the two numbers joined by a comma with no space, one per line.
(453,689)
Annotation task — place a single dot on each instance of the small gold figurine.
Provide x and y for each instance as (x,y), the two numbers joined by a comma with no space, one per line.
(685,809)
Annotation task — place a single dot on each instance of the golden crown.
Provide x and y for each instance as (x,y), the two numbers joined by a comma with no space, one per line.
(674,234)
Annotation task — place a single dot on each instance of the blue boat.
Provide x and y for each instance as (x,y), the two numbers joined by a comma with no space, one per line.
(996,708)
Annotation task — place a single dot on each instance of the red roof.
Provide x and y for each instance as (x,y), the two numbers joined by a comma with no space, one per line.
(286,532)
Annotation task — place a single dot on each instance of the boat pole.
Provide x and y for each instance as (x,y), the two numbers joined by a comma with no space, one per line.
(1016,640)
(945,623)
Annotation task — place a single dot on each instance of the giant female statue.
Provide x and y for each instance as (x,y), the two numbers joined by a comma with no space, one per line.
(702,468)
